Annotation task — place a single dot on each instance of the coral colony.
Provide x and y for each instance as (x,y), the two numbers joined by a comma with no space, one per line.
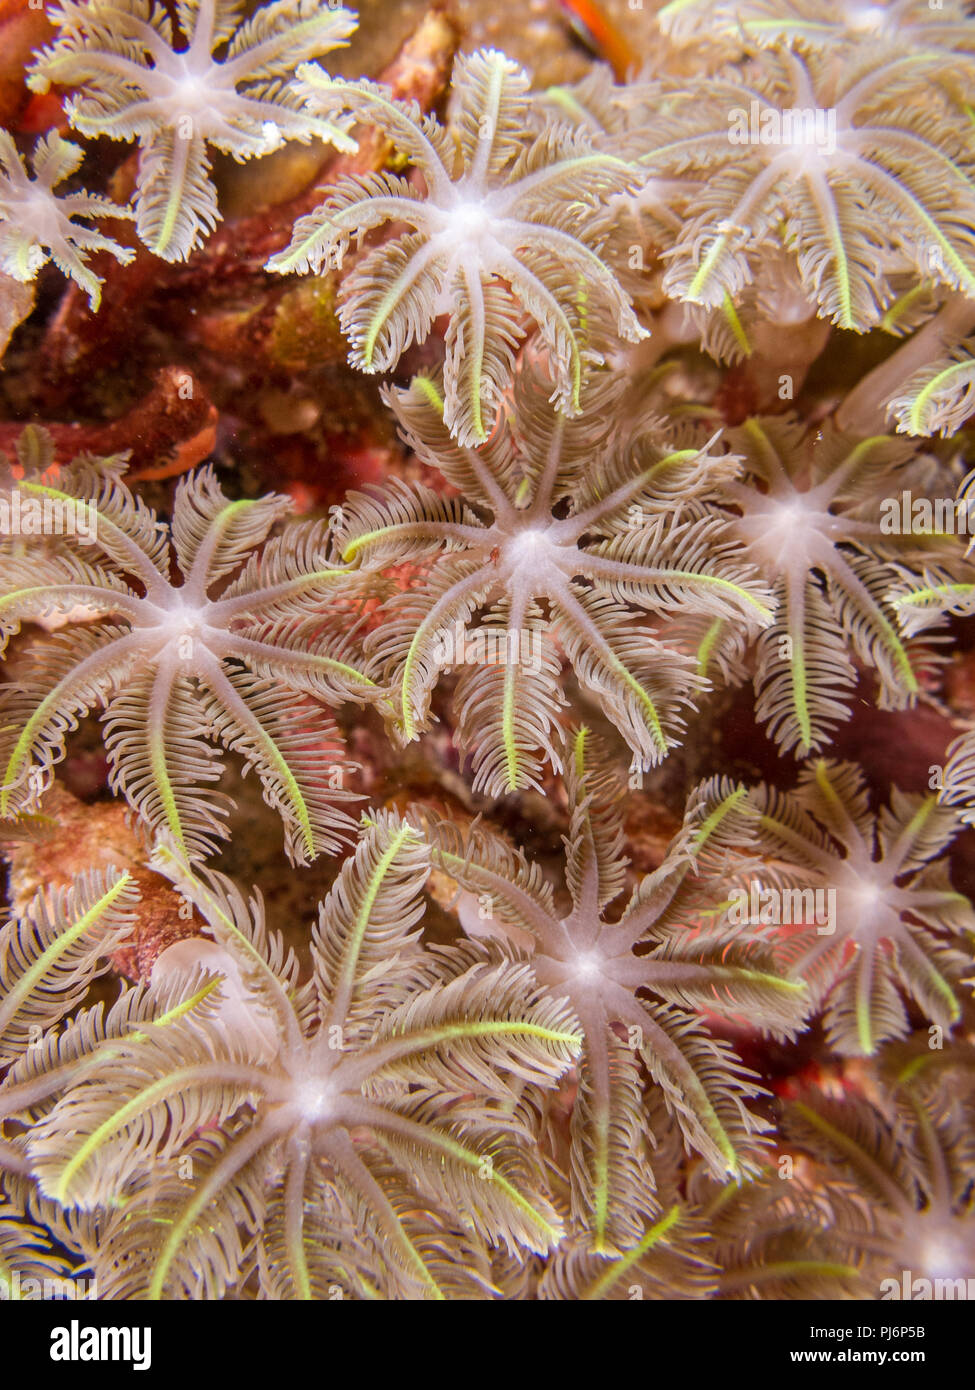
(487,729)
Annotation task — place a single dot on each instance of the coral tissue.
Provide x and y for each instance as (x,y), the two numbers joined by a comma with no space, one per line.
(487,727)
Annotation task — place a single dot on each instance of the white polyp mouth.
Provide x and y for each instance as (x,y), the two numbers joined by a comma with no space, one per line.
(787,516)
(192,92)
(195,93)
(529,546)
(469,222)
(183,624)
(866,900)
(868,894)
(802,137)
(781,524)
(587,965)
(314,1098)
(783,529)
